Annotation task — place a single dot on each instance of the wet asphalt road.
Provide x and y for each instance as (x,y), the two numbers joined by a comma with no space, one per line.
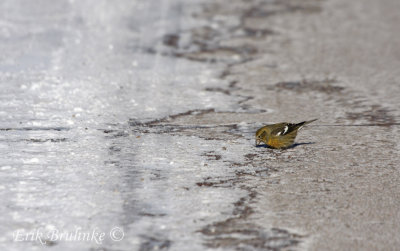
(128,125)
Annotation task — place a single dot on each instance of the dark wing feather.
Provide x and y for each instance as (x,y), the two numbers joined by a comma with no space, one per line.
(285,129)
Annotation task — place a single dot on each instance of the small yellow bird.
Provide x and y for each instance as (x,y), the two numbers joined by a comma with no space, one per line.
(279,135)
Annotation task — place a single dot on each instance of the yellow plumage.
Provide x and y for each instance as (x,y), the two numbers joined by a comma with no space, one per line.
(279,135)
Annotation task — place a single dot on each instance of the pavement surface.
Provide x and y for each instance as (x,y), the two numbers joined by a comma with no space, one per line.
(129,125)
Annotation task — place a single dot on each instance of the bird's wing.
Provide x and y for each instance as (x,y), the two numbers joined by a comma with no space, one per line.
(282,141)
(284,129)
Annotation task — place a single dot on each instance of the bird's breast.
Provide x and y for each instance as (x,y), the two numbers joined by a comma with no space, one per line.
(274,142)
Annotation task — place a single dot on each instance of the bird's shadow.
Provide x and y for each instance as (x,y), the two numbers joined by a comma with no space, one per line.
(290,147)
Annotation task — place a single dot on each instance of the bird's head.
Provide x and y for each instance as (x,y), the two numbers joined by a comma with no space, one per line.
(261,136)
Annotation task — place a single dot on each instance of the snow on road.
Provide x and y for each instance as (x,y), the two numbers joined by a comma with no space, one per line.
(73,74)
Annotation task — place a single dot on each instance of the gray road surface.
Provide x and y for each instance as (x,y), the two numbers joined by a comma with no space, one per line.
(129,125)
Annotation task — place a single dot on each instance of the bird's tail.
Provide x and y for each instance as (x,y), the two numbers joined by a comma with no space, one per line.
(301,124)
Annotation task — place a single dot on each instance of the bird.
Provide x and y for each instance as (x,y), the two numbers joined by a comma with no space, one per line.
(280,135)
